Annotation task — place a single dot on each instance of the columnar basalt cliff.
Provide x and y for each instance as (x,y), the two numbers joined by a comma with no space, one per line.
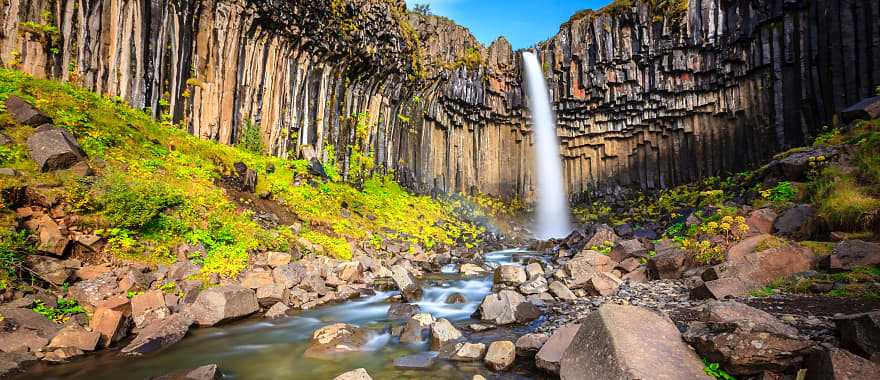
(642,100)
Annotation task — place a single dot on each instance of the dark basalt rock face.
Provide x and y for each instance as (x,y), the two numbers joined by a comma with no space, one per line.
(642,101)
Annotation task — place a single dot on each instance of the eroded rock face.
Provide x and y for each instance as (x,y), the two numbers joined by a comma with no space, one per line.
(745,340)
(629,342)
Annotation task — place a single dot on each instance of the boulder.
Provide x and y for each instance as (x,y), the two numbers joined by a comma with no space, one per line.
(831,363)
(550,354)
(670,263)
(629,342)
(270,295)
(255,279)
(849,254)
(111,324)
(761,221)
(456,298)
(442,333)
(335,339)
(407,284)
(580,268)
(561,291)
(54,149)
(222,304)
(278,310)
(603,235)
(205,372)
(28,320)
(62,355)
(628,265)
(501,308)
(632,248)
(533,270)
(159,334)
(866,109)
(469,269)
(22,340)
(745,340)
(423,360)
(468,352)
(795,166)
(24,113)
(147,307)
(602,284)
(417,328)
(537,285)
(860,333)
(639,275)
(358,374)
(288,275)
(351,271)
(76,336)
(798,223)
(509,275)
(528,345)
(50,269)
(312,282)
(398,311)
(500,355)
(277,259)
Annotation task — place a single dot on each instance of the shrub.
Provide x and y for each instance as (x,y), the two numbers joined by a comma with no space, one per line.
(131,203)
(841,202)
(251,139)
(783,192)
(60,313)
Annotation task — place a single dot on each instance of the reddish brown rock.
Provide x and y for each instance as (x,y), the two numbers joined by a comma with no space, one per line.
(111,324)
(336,339)
(831,363)
(550,354)
(76,336)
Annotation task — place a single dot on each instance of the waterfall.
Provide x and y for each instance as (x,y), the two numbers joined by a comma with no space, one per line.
(553,217)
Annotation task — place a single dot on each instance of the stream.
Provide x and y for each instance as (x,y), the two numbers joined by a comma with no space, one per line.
(257,348)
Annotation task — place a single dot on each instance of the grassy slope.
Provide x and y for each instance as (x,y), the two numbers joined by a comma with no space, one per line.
(158,187)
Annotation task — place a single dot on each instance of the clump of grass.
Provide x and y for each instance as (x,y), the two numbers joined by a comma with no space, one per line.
(841,201)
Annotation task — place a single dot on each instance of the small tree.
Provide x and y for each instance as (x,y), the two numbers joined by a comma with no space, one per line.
(423,9)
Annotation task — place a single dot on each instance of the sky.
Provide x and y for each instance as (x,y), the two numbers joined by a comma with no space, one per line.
(523,22)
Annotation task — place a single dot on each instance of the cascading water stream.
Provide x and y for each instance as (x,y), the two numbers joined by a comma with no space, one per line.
(553,217)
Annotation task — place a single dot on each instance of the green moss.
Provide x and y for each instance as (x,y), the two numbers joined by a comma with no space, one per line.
(841,201)
(821,248)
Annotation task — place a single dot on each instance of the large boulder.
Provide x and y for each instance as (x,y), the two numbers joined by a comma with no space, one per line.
(24,113)
(442,333)
(860,333)
(76,336)
(761,221)
(561,291)
(222,304)
(409,287)
(335,339)
(629,342)
(831,363)
(54,149)
(849,254)
(602,235)
(417,328)
(147,307)
(500,355)
(22,320)
(865,109)
(466,352)
(159,334)
(794,166)
(798,223)
(49,233)
(509,275)
(288,275)
(111,324)
(550,354)
(671,262)
(398,311)
(602,284)
(745,340)
(585,264)
(50,269)
(505,307)
(257,278)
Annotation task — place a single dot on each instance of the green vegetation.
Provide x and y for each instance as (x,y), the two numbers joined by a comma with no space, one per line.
(14,247)
(60,313)
(782,193)
(861,282)
(157,187)
(251,139)
(672,10)
(714,370)
(471,60)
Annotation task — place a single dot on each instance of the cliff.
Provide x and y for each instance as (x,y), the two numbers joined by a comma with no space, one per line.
(643,100)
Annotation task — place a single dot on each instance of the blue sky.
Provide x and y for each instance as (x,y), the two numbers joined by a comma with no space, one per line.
(523,22)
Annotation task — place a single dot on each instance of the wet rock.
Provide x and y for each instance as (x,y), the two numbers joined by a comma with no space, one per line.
(537,285)
(223,304)
(501,308)
(62,355)
(798,223)
(860,333)
(602,284)
(582,267)
(468,352)
(456,298)
(358,374)
(469,269)
(850,254)
(399,311)
(335,339)
(205,372)
(745,340)
(148,307)
(111,324)
(500,355)
(550,354)
(14,362)
(617,342)
(407,284)
(278,310)
(424,360)
(561,291)
(24,113)
(417,328)
(528,345)
(442,333)
(54,149)
(509,275)
(831,363)
(75,336)
(159,334)
(533,270)
(288,275)
(865,109)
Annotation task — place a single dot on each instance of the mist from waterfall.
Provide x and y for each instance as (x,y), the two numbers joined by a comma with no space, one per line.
(552,207)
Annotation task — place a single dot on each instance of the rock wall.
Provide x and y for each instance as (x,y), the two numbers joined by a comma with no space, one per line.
(642,101)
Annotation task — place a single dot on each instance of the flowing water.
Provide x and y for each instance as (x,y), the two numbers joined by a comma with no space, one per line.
(553,217)
(273,349)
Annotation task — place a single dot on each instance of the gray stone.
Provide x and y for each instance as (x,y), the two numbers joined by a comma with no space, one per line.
(407,284)
(159,334)
(860,333)
(442,333)
(528,345)
(561,291)
(24,113)
(550,354)
(424,360)
(500,355)
(223,304)
(54,149)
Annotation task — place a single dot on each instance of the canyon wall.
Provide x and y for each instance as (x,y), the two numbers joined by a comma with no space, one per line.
(642,101)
